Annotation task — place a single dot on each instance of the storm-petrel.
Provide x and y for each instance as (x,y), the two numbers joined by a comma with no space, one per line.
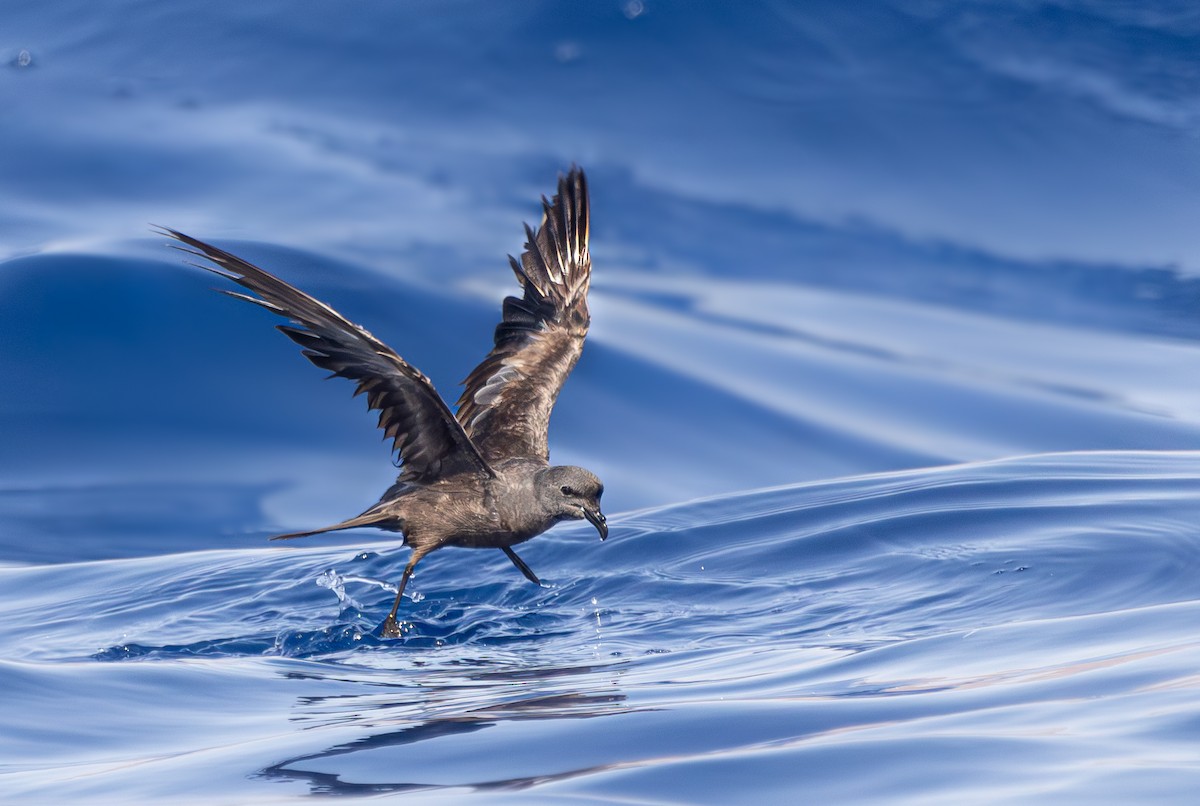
(481,479)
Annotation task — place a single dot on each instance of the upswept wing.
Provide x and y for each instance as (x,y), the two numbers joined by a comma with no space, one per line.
(423,431)
(506,403)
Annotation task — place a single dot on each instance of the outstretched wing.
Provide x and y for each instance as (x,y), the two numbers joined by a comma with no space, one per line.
(505,406)
(430,441)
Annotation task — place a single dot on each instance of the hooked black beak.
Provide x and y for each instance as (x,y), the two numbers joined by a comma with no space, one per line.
(596,518)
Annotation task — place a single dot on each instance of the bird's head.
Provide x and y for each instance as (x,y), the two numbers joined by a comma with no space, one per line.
(574,493)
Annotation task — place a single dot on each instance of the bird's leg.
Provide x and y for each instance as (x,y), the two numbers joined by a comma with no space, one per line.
(521,566)
(390,628)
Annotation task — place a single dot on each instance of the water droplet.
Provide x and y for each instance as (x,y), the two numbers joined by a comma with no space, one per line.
(24,59)
(633,9)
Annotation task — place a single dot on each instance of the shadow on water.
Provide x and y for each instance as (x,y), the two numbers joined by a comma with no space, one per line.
(573,693)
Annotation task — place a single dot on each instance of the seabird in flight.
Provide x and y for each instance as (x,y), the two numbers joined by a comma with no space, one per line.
(481,478)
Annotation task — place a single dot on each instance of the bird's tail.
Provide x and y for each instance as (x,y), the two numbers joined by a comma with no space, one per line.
(372,517)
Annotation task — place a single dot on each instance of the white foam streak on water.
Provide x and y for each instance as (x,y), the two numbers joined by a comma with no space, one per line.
(873,369)
(1127,370)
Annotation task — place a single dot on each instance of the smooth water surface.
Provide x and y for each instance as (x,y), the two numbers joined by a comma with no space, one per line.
(893,381)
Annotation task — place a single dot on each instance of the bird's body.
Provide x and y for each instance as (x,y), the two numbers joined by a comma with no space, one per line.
(481,479)
(465,511)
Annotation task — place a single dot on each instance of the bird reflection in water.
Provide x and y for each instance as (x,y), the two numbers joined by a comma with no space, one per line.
(396,715)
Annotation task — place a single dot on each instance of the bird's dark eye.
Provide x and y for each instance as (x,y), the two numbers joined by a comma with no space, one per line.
(567,490)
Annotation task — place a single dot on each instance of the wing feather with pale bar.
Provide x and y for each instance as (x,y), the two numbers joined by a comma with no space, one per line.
(506,403)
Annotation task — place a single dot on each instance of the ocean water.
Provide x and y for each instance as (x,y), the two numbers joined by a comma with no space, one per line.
(893,381)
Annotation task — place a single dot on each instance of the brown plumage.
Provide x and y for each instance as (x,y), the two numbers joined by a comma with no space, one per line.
(483,479)
(506,401)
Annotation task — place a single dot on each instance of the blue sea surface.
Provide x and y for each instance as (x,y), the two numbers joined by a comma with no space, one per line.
(893,382)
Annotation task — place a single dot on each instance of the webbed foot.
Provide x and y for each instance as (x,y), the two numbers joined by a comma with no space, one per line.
(390,628)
